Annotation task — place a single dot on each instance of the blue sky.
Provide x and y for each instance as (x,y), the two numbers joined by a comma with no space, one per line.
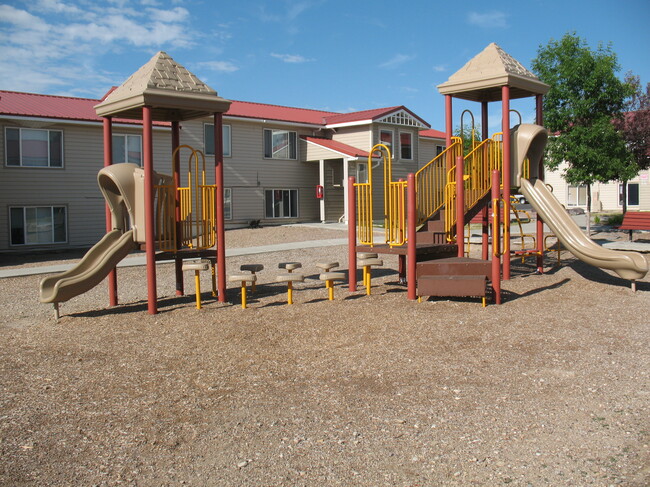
(338,55)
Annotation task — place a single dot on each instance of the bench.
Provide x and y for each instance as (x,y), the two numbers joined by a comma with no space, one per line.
(635,220)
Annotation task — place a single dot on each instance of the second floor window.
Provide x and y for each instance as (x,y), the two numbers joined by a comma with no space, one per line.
(386,138)
(280,144)
(406,145)
(127,148)
(208,139)
(33,147)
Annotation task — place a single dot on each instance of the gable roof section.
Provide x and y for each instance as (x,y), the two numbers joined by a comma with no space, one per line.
(336,146)
(433,134)
(55,107)
(367,116)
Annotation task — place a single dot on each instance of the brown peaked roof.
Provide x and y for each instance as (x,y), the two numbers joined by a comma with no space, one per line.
(483,76)
(173,92)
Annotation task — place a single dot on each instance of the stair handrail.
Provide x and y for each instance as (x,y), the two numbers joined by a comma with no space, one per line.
(430,181)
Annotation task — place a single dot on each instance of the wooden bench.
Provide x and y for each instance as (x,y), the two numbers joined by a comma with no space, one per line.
(635,220)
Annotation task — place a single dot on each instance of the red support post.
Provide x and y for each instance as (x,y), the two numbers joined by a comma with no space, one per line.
(539,119)
(411,249)
(149,216)
(449,129)
(176,167)
(221,225)
(496,237)
(505,122)
(460,207)
(108,160)
(352,235)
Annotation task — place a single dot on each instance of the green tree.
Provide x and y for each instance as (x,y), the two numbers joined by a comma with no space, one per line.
(584,100)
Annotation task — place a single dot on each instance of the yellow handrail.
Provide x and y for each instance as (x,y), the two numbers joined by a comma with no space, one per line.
(430,181)
(197,208)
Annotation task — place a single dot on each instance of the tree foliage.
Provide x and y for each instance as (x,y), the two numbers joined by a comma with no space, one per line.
(635,124)
(584,100)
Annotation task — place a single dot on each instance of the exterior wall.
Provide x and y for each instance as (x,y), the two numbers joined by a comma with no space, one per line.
(401,167)
(604,195)
(248,173)
(428,149)
(73,186)
(359,136)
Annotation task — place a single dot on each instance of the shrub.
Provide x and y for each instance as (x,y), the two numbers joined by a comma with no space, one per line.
(615,219)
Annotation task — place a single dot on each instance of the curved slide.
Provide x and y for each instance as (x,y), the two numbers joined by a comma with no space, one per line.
(91,270)
(628,265)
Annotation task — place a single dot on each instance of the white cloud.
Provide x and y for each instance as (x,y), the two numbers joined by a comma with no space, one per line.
(57,43)
(291,58)
(488,20)
(440,68)
(397,61)
(220,66)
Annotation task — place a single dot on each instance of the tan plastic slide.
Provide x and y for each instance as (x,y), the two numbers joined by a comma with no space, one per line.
(628,265)
(91,270)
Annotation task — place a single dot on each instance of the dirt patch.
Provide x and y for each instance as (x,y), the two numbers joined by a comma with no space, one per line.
(550,388)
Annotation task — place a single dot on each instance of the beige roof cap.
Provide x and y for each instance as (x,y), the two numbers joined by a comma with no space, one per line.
(483,76)
(173,92)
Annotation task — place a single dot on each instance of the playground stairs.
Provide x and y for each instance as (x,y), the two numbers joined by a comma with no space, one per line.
(454,276)
(433,230)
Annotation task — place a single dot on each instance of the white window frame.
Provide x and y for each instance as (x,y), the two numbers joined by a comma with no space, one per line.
(391,145)
(577,189)
(410,134)
(291,210)
(226,137)
(292,137)
(25,224)
(20,148)
(620,194)
(440,149)
(227,203)
(126,148)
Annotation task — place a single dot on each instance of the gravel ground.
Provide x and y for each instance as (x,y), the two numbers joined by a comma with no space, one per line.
(550,388)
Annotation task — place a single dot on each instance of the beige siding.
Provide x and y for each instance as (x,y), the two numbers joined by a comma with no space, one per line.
(248,173)
(360,136)
(74,186)
(428,148)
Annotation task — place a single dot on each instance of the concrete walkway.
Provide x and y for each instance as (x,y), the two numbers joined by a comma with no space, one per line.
(140,259)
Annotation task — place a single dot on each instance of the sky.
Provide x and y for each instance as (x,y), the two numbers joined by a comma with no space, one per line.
(334,55)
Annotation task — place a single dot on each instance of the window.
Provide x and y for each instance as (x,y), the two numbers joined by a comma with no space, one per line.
(577,195)
(440,149)
(632,194)
(406,145)
(33,225)
(208,139)
(227,203)
(280,144)
(127,148)
(281,203)
(33,147)
(386,138)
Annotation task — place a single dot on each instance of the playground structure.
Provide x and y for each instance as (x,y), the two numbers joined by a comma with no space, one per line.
(425,216)
(145,209)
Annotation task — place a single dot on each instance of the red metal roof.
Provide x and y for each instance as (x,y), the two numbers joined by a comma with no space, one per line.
(262,111)
(433,133)
(337,146)
(56,107)
(70,108)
